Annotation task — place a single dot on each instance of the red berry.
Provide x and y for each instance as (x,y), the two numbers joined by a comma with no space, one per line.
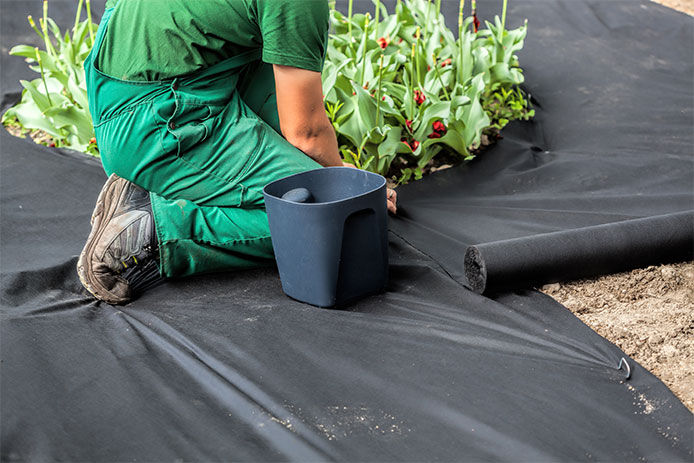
(408,123)
(434,135)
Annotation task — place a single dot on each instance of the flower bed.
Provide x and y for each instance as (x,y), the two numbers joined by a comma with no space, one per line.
(403,94)
(401,90)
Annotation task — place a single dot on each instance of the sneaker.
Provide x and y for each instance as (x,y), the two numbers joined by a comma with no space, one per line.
(119,260)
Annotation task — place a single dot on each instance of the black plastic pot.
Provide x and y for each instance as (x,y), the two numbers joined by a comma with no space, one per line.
(333,248)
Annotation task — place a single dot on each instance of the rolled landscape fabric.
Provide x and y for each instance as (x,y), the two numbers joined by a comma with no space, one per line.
(586,252)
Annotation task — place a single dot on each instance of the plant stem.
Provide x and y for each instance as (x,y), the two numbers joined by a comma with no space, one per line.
(33,26)
(415,47)
(503,15)
(411,102)
(461,37)
(426,21)
(438,9)
(438,75)
(77,19)
(363,52)
(90,24)
(378,100)
(44,28)
(377,16)
(43,77)
(46,39)
(349,21)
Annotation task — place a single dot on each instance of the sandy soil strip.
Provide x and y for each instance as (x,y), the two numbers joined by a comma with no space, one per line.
(686,6)
(648,313)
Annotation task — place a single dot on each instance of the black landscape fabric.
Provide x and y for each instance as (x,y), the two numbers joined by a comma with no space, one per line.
(226,367)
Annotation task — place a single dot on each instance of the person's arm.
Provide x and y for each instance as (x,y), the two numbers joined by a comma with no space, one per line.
(303,120)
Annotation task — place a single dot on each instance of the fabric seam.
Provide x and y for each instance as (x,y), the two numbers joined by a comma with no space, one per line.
(301,59)
(215,243)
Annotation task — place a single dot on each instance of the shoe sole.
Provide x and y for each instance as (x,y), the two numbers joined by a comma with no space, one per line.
(110,196)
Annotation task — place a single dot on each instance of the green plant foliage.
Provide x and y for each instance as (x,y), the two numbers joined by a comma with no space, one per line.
(402,87)
(56,103)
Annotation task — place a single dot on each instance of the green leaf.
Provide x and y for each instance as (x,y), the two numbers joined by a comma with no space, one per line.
(431,113)
(40,100)
(55,30)
(454,138)
(501,73)
(24,50)
(365,108)
(392,145)
(31,117)
(72,117)
(79,94)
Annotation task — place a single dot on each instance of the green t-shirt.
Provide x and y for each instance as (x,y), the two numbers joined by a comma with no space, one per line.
(158,39)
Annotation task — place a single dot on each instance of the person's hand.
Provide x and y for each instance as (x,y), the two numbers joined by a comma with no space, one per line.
(391,195)
(391,201)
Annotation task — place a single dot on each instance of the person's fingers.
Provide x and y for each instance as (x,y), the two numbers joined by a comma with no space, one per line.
(391,207)
(391,200)
(392,196)
(347,164)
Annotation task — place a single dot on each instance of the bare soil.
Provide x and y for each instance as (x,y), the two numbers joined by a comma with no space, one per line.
(39,136)
(648,313)
(686,6)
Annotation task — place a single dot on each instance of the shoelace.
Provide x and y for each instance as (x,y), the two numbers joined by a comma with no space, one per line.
(132,260)
(142,274)
(124,262)
(147,276)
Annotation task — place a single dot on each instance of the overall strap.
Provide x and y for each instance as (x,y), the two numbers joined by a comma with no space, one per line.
(223,69)
(100,33)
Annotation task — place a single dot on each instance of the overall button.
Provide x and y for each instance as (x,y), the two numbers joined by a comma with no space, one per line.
(174,86)
(172,125)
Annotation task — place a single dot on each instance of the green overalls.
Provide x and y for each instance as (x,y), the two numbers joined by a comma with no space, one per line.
(204,145)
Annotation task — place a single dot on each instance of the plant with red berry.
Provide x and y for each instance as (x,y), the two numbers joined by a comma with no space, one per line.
(408,90)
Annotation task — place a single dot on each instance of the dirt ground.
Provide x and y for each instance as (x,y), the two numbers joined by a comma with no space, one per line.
(648,313)
(681,5)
